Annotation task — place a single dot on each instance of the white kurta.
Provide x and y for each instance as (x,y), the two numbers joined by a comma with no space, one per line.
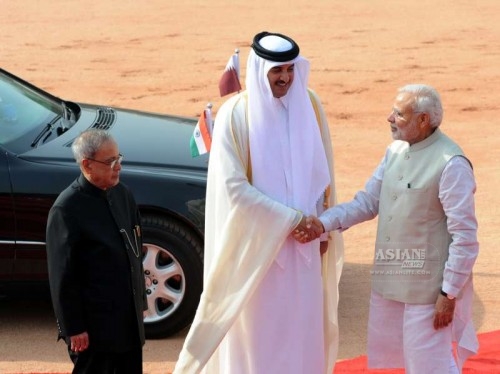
(266,307)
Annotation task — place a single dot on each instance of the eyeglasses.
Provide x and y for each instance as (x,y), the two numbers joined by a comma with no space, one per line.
(111,163)
(398,113)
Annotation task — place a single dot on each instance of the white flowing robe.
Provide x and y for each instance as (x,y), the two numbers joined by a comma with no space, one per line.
(263,302)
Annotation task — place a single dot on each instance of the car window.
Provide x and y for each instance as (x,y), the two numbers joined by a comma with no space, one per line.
(22,110)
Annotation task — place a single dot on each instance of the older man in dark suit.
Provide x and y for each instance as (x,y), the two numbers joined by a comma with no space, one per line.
(94,259)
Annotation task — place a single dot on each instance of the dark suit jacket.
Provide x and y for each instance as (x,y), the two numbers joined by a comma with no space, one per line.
(95,266)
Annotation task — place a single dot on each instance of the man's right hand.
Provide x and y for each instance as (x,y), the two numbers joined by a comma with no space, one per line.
(79,342)
(308,229)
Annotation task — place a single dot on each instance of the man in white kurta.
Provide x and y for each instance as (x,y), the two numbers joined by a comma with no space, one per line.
(426,246)
(270,303)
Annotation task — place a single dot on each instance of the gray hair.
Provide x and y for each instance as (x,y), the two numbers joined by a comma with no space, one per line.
(89,142)
(427,100)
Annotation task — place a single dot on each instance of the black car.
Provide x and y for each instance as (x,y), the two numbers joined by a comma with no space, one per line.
(36,164)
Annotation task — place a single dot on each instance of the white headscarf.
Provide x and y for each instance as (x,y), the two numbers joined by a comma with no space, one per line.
(305,172)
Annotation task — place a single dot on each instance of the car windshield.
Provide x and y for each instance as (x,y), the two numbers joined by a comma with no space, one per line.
(23,110)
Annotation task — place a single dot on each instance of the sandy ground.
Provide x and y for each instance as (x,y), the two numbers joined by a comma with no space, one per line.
(167,56)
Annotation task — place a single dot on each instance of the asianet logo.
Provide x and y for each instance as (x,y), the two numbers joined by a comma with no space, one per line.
(408,258)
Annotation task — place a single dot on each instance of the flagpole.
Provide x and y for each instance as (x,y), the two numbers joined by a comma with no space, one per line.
(209,118)
(237,53)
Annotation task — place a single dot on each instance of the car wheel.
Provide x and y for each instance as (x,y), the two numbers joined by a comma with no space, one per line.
(173,270)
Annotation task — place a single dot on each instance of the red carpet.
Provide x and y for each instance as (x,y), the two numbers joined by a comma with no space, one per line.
(487,361)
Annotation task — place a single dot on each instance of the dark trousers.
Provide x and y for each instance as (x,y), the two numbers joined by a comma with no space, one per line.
(92,362)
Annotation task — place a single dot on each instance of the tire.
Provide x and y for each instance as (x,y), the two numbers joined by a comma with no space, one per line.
(173,270)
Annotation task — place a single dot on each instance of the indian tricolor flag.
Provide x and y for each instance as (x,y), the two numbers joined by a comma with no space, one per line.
(201,140)
(230,80)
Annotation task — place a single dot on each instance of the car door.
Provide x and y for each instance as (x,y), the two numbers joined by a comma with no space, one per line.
(7,221)
(35,186)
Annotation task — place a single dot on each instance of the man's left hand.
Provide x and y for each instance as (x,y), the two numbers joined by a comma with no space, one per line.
(445,309)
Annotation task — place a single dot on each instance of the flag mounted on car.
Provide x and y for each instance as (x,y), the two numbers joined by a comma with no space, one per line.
(230,80)
(201,140)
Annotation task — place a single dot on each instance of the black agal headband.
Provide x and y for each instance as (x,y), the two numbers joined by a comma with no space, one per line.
(270,55)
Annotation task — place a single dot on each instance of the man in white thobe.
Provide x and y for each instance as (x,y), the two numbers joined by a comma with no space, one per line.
(426,246)
(270,303)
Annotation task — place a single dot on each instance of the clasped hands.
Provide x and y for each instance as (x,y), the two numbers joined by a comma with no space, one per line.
(309,228)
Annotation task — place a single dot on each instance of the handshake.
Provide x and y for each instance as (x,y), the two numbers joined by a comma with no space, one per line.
(309,228)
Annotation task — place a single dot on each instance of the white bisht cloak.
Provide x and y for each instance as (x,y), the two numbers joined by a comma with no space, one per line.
(246,219)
